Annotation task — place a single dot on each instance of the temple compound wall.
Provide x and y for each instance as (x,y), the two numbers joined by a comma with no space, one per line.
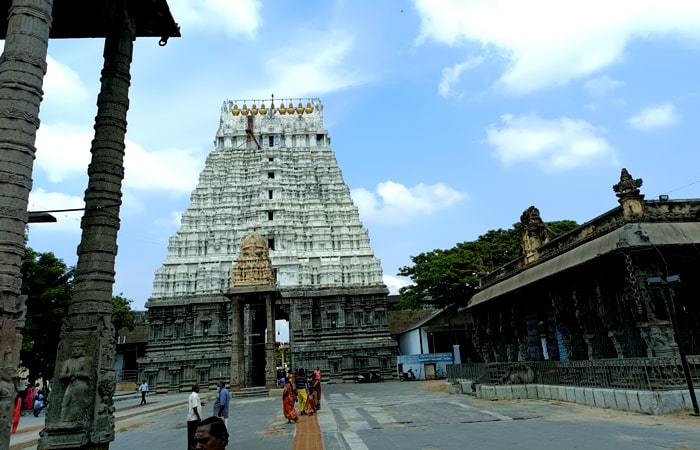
(600,291)
(271,172)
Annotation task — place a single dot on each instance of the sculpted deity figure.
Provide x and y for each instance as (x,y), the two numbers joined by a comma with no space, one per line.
(534,231)
(75,376)
(628,187)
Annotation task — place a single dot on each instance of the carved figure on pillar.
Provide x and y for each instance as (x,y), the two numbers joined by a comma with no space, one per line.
(76,374)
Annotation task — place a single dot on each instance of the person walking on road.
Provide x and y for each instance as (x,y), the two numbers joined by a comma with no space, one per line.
(144,390)
(224,400)
(217,402)
(193,415)
(211,434)
(288,400)
(317,398)
(315,391)
(310,405)
(300,384)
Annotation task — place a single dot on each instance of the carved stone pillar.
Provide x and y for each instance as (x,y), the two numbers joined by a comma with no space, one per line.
(21,80)
(237,360)
(552,341)
(81,412)
(533,337)
(270,366)
(618,340)
(589,339)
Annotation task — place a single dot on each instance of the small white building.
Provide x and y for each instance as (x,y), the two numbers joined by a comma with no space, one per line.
(429,345)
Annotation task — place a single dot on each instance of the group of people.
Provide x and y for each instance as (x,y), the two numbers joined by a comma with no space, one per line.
(212,432)
(306,389)
(31,398)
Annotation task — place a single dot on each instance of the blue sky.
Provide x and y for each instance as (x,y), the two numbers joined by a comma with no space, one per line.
(448,118)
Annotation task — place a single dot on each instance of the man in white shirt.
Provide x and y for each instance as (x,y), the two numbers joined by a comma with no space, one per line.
(144,390)
(193,415)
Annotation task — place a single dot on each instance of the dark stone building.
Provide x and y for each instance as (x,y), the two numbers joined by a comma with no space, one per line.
(599,291)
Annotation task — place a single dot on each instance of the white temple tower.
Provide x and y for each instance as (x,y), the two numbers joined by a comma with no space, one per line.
(272,172)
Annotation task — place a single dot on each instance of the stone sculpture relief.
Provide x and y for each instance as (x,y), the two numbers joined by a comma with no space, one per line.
(76,374)
(628,187)
(535,233)
(253,267)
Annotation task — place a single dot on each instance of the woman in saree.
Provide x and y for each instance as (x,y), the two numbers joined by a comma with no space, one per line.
(314,388)
(288,399)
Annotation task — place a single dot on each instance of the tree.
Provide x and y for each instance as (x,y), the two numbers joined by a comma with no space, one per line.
(450,277)
(122,315)
(48,284)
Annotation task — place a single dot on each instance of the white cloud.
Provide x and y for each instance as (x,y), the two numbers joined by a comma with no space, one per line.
(558,144)
(450,75)
(234,17)
(321,63)
(395,283)
(41,200)
(551,42)
(600,87)
(62,84)
(654,117)
(395,203)
(172,170)
(63,152)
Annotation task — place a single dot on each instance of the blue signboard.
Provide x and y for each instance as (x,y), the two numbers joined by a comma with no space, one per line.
(426,358)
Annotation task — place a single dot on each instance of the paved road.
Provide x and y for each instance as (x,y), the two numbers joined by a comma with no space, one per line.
(394,415)
(388,416)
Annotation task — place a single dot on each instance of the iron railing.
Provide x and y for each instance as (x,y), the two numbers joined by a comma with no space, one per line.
(634,373)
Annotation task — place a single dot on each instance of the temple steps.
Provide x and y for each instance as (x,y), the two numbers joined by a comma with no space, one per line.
(251,392)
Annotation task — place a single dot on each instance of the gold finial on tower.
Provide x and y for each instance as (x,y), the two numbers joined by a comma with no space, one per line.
(300,109)
(290,108)
(282,109)
(309,109)
(263,111)
(235,110)
(254,110)
(244,110)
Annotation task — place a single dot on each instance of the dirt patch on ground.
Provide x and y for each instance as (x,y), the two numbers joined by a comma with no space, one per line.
(435,386)
(682,419)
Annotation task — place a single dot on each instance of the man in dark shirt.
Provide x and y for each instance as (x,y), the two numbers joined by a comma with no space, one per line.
(300,384)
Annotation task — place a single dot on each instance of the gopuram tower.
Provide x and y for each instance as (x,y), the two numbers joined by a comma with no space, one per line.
(271,175)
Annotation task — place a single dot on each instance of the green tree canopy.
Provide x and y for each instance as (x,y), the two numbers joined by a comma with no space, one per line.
(444,277)
(48,284)
(122,315)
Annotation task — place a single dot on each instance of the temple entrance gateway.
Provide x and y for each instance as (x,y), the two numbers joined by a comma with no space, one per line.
(271,173)
(253,294)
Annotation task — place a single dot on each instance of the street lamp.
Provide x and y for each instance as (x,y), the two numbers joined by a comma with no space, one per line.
(667,293)
(40,217)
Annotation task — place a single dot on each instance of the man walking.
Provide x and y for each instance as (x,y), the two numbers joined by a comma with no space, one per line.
(144,390)
(193,416)
(224,399)
(300,384)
